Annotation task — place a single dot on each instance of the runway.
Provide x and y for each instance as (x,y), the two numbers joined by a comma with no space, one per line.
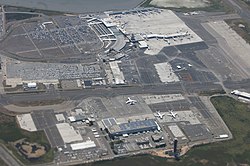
(72,95)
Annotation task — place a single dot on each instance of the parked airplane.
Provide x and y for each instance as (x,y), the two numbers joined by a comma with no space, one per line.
(171,113)
(159,114)
(130,101)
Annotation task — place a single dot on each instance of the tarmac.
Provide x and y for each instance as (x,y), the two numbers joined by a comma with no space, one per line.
(199,67)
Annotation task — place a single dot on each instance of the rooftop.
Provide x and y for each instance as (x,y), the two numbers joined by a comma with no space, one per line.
(26,122)
(83,145)
(68,133)
(134,126)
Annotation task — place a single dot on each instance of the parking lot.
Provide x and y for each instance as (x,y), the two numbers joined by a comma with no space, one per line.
(89,155)
(147,70)
(52,71)
(62,37)
(130,71)
(197,132)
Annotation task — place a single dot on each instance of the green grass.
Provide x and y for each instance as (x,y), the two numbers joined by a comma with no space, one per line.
(10,132)
(212,92)
(215,6)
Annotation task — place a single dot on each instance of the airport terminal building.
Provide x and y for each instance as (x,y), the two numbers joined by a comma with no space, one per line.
(116,130)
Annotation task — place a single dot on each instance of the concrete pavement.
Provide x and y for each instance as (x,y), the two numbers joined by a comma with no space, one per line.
(7,158)
(240,8)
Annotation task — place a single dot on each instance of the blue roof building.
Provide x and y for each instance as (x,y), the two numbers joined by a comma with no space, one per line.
(115,129)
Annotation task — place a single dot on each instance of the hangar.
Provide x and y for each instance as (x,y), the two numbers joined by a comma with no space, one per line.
(115,129)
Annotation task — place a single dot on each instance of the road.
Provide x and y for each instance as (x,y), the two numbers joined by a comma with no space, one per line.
(244,84)
(7,158)
(3,19)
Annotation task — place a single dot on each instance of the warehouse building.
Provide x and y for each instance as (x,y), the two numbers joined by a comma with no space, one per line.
(83,145)
(116,130)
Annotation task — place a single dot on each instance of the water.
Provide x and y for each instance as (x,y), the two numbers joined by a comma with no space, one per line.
(77,6)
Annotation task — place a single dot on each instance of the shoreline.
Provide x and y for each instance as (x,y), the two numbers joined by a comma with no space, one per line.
(161,152)
(78,6)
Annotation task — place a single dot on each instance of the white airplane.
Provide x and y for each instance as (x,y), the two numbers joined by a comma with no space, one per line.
(130,101)
(159,114)
(171,113)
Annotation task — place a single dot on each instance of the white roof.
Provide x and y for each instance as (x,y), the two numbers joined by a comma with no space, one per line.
(165,36)
(223,136)
(108,22)
(60,117)
(83,145)
(31,84)
(143,44)
(244,94)
(68,133)
(117,73)
(26,122)
(79,111)
(176,131)
(165,72)
(71,118)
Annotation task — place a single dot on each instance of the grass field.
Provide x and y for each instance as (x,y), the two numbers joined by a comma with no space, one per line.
(233,152)
(244,32)
(215,6)
(10,132)
(212,92)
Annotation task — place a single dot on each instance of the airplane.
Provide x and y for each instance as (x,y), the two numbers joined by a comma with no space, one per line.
(159,114)
(171,113)
(130,101)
